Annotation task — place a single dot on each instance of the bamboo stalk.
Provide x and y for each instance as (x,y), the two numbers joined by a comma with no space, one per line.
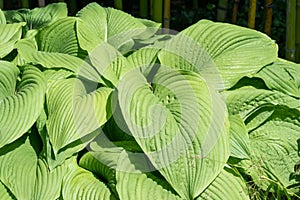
(144,8)
(157,10)
(222,10)
(291,30)
(268,15)
(41,3)
(119,4)
(252,14)
(2,4)
(25,3)
(235,11)
(297,54)
(167,13)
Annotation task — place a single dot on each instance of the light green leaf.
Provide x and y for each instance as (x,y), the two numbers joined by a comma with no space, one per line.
(48,183)
(227,186)
(91,32)
(9,35)
(20,104)
(18,162)
(82,184)
(283,76)
(133,184)
(53,60)
(223,52)
(75,109)
(38,17)
(246,100)
(60,37)
(113,26)
(2,17)
(180,124)
(5,193)
(275,148)
(239,140)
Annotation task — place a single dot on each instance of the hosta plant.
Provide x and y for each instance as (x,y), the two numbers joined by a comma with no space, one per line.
(103,105)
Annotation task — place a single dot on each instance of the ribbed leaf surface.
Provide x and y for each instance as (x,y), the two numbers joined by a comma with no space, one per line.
(20,105)
(9,35)
(181,125)
(75,112)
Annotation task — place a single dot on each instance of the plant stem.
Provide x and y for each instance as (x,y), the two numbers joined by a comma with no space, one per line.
(297,55)
(291,30)
(119,4)
(252,14)
(1,4)
(222,10)
(235,11)
(167,14)
(268,15)
(157,10)
(144,8)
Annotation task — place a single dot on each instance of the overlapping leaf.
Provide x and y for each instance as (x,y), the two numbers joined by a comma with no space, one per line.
(20,104)
(39,17)
(9,35)
(75,110)
(223,53)
(177,126)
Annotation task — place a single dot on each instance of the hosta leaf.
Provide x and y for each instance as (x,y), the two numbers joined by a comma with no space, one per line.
(75,109)
(133,184)
(91,32)
(239,140)
(112,26)
(51,60)
(282,76)
(228,185)
(5,193)
(9,35)
(20,105)
(247,99)
(230,47)
(18,162)
(39,17)
(2,17)
(60,37)
(82,184)
(176,125)
(48,183)
(275,147)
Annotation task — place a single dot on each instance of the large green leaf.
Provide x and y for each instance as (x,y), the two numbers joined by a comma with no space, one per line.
(246,100)
(275,150)
(227,186)
(82,184)
(282,76)
(53,60)
(112,26)
(75,109)
(223,52)
(60,37)
(20,104)
(181,125)
(9,35)
(18,162)
(239,140)
(133,184)
(38,17)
